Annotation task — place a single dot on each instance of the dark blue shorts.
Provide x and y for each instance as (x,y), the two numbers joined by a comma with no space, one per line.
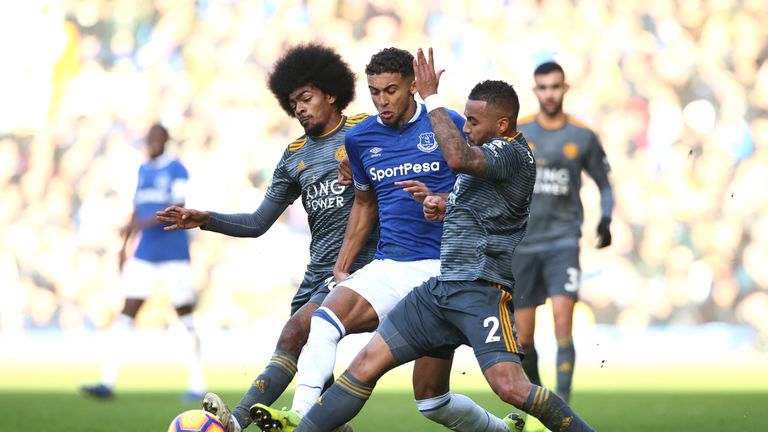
(313,289)
(438,316)
(545,274)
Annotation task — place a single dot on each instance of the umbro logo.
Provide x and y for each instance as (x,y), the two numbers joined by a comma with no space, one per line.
(375,152)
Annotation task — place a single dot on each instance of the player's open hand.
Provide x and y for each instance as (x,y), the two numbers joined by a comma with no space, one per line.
(345,172)
(415,188)
(434,208)
(427,79)
(182,218)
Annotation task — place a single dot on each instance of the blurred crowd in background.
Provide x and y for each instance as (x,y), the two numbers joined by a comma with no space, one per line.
(677,91)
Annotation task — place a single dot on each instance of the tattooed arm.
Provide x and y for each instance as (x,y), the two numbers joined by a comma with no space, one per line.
(460,156)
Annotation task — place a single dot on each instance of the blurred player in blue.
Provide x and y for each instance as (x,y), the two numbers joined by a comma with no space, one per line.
(471,301)
(159,257)
(313,84)
(546,262)
(394,158)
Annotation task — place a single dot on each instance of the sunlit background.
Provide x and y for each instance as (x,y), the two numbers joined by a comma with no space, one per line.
(677,91)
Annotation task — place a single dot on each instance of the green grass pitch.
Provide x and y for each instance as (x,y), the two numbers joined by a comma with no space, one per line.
(43,398)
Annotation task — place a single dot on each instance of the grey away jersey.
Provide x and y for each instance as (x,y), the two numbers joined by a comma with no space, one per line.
(309,168)
(561,155)
(486,218)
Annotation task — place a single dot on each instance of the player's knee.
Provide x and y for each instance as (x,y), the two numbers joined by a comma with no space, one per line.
(525,339)
(372,362)
(326,325)
(513,391)
(293,338)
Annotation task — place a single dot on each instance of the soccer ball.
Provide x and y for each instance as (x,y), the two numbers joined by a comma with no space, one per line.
(196,421)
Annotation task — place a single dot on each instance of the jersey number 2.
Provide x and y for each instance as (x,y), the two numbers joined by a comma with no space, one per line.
(493,322)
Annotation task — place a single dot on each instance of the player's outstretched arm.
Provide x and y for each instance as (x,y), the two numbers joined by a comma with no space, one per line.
(460,156)
(236,225)
(362,220)
(182,218)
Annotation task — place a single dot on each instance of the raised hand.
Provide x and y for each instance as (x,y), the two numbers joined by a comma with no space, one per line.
(345,172)
(434,208)
(427,79)
(182,218)
(417,189)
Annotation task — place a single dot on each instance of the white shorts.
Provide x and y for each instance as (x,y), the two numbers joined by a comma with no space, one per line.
(140,278)
(383,283)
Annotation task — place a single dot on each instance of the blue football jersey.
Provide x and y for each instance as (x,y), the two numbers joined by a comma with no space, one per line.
(162,183)
(381,155)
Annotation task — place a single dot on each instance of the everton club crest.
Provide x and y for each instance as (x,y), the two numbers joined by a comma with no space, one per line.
(427,142)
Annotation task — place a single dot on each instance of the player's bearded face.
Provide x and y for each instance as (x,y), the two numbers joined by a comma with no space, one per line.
(550,89)
(392,96)
(312,108)
(479,127)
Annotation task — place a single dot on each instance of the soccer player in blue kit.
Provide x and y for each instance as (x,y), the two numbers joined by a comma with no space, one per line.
(470,302)
(396,145)
(313,84)
(159,256)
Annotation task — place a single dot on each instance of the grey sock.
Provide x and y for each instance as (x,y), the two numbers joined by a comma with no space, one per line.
(566,359)
(337,406)
(267,387)
(553,412)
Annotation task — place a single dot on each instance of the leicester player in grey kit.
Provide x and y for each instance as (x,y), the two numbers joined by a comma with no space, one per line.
(470,302)
(313,84)
(546,263)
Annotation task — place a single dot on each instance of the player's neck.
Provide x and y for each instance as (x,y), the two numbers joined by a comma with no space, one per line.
(555,121)
(408,115)
(333,123)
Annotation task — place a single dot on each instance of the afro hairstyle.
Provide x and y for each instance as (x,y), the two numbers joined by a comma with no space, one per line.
(313,64)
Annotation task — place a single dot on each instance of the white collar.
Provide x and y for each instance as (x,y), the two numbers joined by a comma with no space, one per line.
(161,161)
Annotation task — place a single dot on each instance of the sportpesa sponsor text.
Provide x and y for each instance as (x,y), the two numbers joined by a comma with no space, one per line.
(403,169)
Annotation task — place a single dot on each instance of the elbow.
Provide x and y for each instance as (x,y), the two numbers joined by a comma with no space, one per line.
(455,163)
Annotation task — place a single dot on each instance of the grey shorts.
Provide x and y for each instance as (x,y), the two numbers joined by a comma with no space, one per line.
(545,274)
(438,316)
(313,289)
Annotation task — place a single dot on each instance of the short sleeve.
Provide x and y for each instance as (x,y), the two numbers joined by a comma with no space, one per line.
(361,180)
(505,159)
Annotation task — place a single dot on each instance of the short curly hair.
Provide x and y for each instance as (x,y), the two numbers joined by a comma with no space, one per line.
(314,64)
(497,93)
(391,60)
